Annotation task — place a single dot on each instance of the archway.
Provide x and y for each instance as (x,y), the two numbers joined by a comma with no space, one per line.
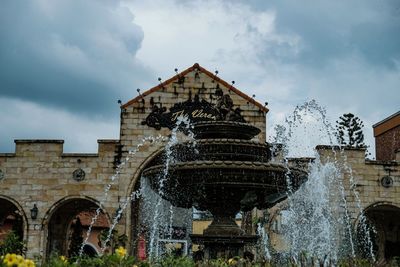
(12,219)
(383,227)
(68,224)
(90,250)
(154,222)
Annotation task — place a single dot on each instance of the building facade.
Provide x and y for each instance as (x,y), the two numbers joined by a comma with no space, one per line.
(62,185)
(45,190)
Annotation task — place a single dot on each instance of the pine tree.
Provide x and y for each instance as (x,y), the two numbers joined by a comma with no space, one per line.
(76,238)
(349,130)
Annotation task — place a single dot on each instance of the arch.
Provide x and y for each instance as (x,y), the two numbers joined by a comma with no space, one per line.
(20,211)
(90,250)
(59,218)
(371,206)
(131,188)
(381,230)
(139,170)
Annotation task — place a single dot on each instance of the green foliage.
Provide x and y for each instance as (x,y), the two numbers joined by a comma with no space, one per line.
(12,244)
(116,260)
(115,240)
(349,130)
(176,262)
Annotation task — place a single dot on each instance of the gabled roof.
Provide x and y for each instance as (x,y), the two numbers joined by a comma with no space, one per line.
(387,124)
(208,73)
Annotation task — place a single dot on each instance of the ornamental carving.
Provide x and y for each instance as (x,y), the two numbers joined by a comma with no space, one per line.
(195,110)
(78,175)
(387,181)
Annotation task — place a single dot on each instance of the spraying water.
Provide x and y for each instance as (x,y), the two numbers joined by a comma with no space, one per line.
(159,210)
(114,178)
(316,220)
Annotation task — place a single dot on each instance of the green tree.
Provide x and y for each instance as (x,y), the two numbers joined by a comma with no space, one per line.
(76,238)
(349,130)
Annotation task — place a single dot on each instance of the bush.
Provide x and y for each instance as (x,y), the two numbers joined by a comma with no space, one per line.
(12,244)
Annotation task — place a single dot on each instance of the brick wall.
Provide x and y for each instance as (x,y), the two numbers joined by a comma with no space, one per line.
(387,144)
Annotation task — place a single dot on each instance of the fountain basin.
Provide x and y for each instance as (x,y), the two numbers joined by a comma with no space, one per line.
(241,185)
(224,129)
(223,171)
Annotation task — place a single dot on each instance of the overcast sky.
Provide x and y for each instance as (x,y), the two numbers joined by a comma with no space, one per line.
(64,64)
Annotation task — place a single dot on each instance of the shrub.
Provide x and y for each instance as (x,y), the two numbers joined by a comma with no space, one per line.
(12,244)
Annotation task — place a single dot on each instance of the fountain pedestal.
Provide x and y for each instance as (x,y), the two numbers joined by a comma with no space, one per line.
(223,246)
(223,172)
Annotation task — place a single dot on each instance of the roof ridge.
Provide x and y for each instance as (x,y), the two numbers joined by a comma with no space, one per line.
(386,119)
(208,73)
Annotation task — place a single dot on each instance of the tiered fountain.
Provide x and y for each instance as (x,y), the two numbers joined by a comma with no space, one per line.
(223,171)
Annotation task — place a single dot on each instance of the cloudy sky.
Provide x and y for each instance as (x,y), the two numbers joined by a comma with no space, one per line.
(64,64)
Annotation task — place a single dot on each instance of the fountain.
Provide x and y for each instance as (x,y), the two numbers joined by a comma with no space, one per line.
(222,171)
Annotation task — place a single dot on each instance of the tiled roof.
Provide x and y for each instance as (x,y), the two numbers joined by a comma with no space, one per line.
(86,219)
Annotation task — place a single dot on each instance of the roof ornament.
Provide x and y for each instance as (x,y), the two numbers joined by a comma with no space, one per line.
(161,84)
(215,76)
(142,97)
(230,87)
(181,79)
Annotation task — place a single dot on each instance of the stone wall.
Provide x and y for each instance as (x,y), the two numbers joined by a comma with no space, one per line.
(364,183)
(40,173)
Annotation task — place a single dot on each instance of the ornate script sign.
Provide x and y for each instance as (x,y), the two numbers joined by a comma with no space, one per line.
(195,110)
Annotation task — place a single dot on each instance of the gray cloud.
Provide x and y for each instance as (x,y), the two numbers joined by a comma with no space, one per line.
(74,55)
(330,29)
(80,56)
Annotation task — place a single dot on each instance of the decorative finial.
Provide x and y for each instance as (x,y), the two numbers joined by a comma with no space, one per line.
(162,86)
(119,101)
(215,76)
(138,90)
(233,82)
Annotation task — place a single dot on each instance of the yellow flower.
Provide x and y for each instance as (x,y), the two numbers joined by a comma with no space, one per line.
(30,263)
(10,260)
(121,252)
(232,261)
(63,259)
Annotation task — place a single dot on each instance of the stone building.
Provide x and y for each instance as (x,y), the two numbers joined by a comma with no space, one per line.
(371,190)
(45,189)
(62,185)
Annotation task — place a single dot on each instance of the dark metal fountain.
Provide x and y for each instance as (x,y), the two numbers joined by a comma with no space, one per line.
(223,171)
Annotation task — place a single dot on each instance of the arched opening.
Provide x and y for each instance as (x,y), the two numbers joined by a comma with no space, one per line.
(381,232)
(11,222)
(68,226)
(90,250)
(156,226)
